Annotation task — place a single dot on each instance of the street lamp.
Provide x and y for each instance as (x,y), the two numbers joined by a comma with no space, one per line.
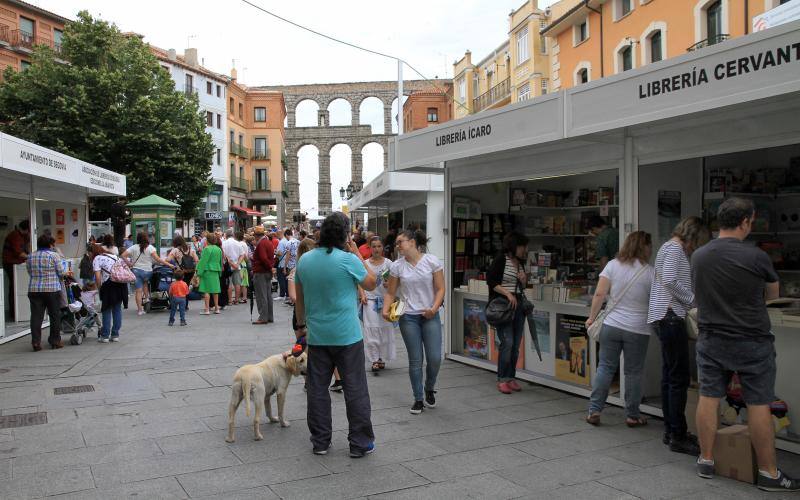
(350,191)
(341,192)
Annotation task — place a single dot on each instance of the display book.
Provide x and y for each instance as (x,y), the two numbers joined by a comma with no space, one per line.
(477,238)
(775,191)
(561,260)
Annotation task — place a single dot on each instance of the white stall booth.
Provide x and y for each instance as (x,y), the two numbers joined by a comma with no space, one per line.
(404,199)
(641,149)
(50,190)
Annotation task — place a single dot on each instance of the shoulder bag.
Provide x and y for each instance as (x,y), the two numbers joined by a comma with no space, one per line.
(692,330)
(120,272)
(594,329)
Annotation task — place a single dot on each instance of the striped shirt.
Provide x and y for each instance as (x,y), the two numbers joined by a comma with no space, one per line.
(509,282)
(45,271)
(672,286)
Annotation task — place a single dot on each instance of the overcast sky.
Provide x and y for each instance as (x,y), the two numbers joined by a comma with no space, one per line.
(428,34)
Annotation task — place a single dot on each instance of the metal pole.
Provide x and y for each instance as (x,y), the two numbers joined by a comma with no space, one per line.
(399,97)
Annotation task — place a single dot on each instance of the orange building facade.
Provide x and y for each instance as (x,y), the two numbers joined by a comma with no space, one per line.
(425,108)
(23,26)
(255,148)
(598,38)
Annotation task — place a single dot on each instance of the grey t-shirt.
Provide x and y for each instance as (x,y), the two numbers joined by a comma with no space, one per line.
(729,279)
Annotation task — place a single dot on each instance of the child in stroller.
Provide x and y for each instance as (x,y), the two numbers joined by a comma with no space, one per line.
(160,282)
(80,316)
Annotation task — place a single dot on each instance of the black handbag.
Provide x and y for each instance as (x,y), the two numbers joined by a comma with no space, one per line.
(499,312)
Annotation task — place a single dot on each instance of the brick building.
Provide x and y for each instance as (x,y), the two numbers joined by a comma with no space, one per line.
(424,108)
(23,26)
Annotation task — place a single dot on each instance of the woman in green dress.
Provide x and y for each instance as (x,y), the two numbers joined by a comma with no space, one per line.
(209,269)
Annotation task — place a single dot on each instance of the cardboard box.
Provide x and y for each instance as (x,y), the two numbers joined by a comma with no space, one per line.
(733,454)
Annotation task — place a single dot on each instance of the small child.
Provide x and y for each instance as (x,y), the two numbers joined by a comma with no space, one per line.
(89,295)
(178,291)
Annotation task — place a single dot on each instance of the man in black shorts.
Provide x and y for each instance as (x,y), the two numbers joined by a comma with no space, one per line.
(732,280)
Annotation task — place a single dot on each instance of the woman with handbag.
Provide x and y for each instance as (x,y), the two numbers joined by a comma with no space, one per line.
(419,277)
(209,270)
(111,293)
(506,278)
(626,280)
(378,333)
(671,299)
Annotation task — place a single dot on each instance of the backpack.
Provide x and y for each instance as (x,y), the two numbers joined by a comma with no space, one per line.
(186,262)
(121,273)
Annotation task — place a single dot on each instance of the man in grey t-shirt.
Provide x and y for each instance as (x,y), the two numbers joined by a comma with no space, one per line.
(732,281)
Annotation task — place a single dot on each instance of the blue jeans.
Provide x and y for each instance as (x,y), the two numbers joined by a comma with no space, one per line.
(418,334)
(614,341)
(115,313)
(510,338)
(142,277)
(177,303)
(675,374)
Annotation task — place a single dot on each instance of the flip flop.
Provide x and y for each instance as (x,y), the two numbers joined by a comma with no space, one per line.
(636,422)
(204,313)
(593,419)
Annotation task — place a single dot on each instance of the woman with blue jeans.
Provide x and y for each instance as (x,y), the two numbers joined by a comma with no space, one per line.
(626,280)
(111,294)
(140,257)
(419,277)
(506,276)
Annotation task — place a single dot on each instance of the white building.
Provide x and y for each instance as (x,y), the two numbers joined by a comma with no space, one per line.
(210,87)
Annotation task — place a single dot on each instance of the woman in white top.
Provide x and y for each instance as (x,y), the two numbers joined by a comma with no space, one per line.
(626,280)
(141,257)
(419,277)
(378,333)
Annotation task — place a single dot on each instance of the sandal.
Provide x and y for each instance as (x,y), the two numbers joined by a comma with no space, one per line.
(205,312)
(593,419)
(636,422)
(381,364)
(375,367)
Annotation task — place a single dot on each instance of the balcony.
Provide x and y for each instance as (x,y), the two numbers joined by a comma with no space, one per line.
(260,154)
(240,184)
(189,90)
(22,39)
(239,150)
(495,94)
(708,41)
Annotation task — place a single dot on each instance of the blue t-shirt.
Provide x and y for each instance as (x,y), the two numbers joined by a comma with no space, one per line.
(330,295)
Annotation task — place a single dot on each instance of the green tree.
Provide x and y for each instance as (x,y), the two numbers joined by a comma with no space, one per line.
(106,100)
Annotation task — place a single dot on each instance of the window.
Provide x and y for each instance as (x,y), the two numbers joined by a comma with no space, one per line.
(462,89)
(523,51)
(209,119)
(232,139)
(260,146)
(219,121)
(241,172)
(714,22)
(23,65)
(544,86)
(189,79)
(219,156)
(475,85)
(626,7)
(626,55)
(230,105)
(260,114)
(583,75)
(433,115)
(209,88)
(58,36)
(580,32)
(655,47)
(26,26)
(241,111)
(233,170)
(524,92)
(261,179)
(241,139)
(219,91)
(542,38)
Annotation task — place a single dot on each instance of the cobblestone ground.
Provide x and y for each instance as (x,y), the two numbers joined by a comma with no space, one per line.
(154,428)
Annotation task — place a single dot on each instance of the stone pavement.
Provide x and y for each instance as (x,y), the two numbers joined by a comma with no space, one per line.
(154,428)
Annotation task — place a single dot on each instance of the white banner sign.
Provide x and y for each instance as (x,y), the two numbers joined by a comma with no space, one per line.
(782,14)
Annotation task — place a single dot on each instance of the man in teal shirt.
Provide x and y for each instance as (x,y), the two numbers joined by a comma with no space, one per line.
(326,282)
(607,240)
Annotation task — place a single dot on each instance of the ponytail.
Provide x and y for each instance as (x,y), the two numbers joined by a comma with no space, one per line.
(418,237)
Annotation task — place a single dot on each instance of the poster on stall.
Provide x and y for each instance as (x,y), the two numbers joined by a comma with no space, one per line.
(74,215)
(669,213)
(46,220)
(476,330)
(59,216)
(572,349)
(60,236)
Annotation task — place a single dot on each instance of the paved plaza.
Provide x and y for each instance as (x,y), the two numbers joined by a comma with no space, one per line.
(153,427)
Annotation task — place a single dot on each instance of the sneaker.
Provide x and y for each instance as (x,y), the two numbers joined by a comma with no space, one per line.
(183,323)
(780,483)
(323,451)
(171,323)
(140,313)
(417,408)
(684,445)
(430,399)
(337,386)
(706,471)
(666,438)
(504,388)
(114,339)
(362,453)
(514,385)
(102,340)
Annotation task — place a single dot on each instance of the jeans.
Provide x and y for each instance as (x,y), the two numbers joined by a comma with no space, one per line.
(614,341)
(142,277)
(115,313)
(510,338)
(41,301)
(262,289)
(419,333)
(671,331)
(349,360)
(178,303)
(283,285)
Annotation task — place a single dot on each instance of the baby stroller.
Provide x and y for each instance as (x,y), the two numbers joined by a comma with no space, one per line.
(159,288)
(80,316)
(70,305)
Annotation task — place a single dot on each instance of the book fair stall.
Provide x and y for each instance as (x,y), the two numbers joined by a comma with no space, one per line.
(50,191)
(639,150)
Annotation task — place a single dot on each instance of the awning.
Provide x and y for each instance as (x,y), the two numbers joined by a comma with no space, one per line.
(247,211)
